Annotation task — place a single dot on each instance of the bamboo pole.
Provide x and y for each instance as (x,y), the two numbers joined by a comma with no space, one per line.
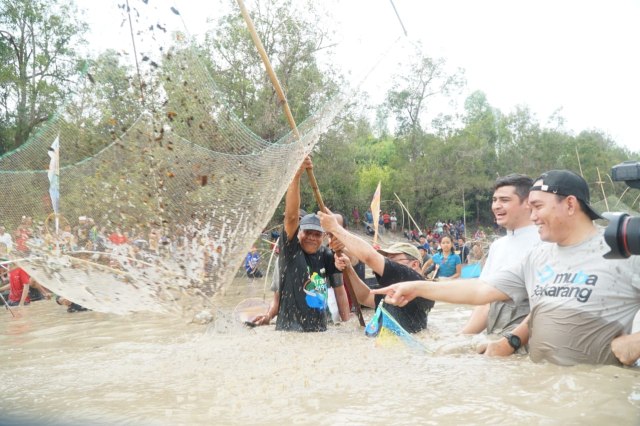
(408,214)
(600,182)
(281,96)
(292,123)
(6,305)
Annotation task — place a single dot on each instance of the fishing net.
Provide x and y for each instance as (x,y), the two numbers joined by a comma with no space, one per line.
(162,191)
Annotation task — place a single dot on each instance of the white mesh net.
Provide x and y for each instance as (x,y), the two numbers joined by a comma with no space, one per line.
(161,194)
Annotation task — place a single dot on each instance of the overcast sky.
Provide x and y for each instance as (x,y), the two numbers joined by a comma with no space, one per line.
(580,56)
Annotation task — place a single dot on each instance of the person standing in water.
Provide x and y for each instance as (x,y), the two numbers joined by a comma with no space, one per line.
(308,268)
(510,206)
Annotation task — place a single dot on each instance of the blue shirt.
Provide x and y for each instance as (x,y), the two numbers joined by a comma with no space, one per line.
(448,267)
(251,261)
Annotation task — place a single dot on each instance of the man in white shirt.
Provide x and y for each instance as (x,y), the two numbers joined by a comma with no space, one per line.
(511,209)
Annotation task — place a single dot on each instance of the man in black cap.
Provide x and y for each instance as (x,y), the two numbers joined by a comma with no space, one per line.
(307,269)
(582,306)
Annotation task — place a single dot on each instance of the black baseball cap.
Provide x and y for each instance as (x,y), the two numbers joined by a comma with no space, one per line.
(565,182)
(311,222)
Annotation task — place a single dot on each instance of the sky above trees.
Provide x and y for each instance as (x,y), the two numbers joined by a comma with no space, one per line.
(576,58)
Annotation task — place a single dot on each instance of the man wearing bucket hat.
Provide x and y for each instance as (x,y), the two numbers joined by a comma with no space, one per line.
(398,262)
(582,306)
(307,269)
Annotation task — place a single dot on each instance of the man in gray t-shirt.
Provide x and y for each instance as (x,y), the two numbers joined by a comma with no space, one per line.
(579,301)
(582,306)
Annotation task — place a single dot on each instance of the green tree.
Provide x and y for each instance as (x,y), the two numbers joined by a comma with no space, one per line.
(337,166)
(425,78)
(292,41)
(37,63)
(104,106)
(417,165)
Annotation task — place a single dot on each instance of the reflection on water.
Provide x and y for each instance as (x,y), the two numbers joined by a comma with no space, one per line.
(95,368)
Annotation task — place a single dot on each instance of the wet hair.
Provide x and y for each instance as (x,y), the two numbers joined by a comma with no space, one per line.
(521,183)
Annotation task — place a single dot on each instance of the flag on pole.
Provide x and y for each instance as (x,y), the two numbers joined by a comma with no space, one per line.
(375,212)
(54,174)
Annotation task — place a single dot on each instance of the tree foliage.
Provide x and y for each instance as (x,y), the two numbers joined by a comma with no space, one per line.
(37,63)
(292,41)
(441,166)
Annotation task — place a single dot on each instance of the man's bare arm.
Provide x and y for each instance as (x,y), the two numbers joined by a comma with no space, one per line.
(355,245)
(360,289)
(477,321)
(343,302)
(501,347)
(272,312)
(292,201)
(469,292)
(25,293)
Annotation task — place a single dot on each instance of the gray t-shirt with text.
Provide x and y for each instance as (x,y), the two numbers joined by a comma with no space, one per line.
(579,301)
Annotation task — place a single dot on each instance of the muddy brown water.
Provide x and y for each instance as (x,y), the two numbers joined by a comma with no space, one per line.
(149,369)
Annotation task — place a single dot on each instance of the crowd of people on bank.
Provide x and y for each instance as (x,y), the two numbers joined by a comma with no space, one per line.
(117,249)
(443,246)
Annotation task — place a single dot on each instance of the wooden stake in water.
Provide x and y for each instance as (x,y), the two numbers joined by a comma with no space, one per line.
(6,305)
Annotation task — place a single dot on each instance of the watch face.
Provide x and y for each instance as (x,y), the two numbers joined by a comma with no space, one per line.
(514,341)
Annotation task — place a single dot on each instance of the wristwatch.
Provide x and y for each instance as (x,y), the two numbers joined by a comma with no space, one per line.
(514,341)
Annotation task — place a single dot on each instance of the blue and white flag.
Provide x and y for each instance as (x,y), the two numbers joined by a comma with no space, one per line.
(54,174)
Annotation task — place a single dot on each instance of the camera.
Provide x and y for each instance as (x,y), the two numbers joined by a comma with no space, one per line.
(622,234)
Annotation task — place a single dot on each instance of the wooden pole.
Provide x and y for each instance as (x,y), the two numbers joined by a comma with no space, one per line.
(292,123)
(464,215)
(281,96)
(408,214)
(600,182)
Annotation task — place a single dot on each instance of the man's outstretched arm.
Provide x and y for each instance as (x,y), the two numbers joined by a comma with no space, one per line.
(360,289)
(469,292)
(355,245)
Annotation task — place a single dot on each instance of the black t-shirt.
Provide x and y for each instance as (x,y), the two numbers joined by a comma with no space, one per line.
(413,316)
(304,282)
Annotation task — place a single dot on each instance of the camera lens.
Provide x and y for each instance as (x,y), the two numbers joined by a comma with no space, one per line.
(622,235)
(632,235)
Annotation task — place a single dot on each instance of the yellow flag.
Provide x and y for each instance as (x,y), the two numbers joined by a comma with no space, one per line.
(375,211)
